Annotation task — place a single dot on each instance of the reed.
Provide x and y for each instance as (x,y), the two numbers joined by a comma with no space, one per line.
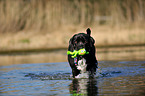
(42,15)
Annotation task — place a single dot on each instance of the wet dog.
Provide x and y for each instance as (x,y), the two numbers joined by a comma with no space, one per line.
(82,63)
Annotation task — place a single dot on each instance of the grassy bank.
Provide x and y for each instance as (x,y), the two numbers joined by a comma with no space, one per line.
(104,37)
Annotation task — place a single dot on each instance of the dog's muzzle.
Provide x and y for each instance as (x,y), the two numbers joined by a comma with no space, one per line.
(80,45)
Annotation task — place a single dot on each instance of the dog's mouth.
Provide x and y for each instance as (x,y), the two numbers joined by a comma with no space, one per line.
(79,46)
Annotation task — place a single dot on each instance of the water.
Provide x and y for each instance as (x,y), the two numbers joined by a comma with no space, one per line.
(114,77)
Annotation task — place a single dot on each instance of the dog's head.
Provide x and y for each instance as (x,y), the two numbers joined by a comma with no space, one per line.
(82,40)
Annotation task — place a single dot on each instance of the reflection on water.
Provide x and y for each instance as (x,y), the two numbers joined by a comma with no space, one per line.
(87,87)
(132,86)
(124,53)
(103,54)
(27,58)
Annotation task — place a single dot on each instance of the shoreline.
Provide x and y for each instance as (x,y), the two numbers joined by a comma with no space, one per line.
(128,53)
(42,41)
(51,49)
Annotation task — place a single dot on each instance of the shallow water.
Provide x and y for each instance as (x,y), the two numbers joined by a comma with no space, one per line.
(121,72)
(112,78)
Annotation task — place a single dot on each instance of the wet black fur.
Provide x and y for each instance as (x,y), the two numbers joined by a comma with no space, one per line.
(79,41)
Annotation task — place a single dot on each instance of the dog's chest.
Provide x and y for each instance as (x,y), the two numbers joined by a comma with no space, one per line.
(82,65)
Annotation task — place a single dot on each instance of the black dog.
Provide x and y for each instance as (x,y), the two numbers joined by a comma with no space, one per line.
(79,41)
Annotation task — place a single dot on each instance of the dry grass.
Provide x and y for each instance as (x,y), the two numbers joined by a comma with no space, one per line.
(40,24)
(49,15)
(104,36)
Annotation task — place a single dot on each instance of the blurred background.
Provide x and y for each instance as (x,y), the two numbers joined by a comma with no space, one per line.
(38,31)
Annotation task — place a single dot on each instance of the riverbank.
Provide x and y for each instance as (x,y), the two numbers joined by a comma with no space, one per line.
(132,53)
(98,48)
(105,36)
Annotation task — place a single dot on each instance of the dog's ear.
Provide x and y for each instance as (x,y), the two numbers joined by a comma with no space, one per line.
(88,31)
(70,48)
(71,41)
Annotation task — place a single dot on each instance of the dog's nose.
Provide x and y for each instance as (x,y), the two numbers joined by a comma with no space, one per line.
(80,43)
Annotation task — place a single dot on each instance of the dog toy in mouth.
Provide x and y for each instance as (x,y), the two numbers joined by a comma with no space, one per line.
(79,52)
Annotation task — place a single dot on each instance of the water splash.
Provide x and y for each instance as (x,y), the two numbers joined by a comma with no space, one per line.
(68,76)
(45,76)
